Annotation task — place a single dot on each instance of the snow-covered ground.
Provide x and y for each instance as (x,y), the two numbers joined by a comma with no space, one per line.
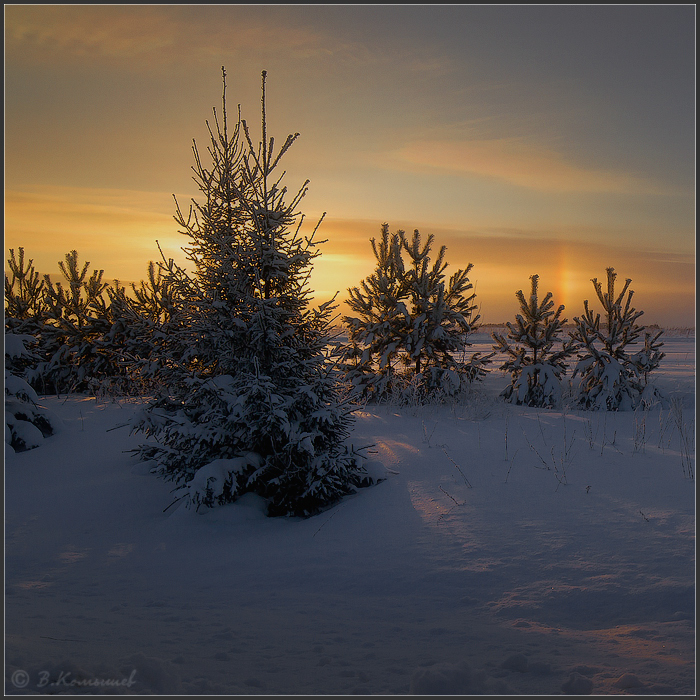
(511,550)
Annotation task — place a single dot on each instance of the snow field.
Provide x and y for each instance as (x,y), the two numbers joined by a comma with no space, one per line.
(510,550)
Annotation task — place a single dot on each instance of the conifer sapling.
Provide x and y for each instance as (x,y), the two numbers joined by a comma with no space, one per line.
(610,378)
(535,366)
(412,324)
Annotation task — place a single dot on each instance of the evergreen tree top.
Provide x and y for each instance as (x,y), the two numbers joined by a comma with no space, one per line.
(622,328)
(537,327)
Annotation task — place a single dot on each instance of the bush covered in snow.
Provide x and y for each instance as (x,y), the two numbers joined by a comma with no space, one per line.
(26,423)
(535,366)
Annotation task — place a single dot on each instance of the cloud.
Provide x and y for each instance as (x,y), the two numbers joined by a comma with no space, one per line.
(38,33)
(148,37)
(516,162)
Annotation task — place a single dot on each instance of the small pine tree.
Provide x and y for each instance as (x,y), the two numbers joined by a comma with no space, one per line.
(26,423)
(610,378)
(412,323)
(71,327)
(76,304)
(25,314)
(251,400)
(75,323)
(24,296)
(536,369)
(375,337)
(647,360)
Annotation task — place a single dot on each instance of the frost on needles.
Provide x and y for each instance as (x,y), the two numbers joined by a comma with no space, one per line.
(533,356)
(610,378)
(251,399)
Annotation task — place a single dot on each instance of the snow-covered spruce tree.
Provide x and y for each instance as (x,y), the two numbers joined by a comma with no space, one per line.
(251,401)
(535,366)
(610,378)
(375,337)
(410,335)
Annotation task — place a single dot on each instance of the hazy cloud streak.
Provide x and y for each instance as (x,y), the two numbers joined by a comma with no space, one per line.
(150,37)
(517,162)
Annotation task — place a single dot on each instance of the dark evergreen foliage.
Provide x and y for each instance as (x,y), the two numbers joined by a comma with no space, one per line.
(410,334)
(142,321)
(535,365)
(85,335)
(24,295)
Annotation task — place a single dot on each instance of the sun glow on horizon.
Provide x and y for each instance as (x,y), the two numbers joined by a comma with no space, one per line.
(121,231)
(522,154)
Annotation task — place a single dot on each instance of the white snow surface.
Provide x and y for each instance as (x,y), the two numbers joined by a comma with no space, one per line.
(16,386)
(509,550)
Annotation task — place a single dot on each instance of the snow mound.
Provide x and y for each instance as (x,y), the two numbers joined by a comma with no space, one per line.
(16,386)
(577,685)
(26,422)
(14,345)
(627,681)
(21,434)
(376,471)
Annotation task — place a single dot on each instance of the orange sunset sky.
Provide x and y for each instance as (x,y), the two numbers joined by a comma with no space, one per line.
(557,140)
